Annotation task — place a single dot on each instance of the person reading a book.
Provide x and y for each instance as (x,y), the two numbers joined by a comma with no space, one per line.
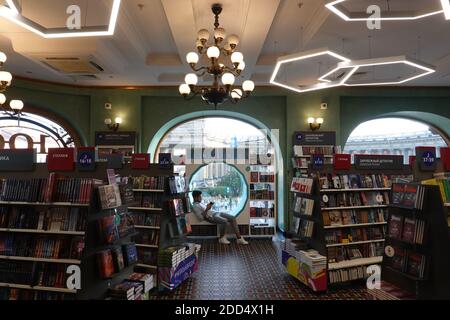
(222,219)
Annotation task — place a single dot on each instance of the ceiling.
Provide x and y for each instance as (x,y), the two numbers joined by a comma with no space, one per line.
(152,38)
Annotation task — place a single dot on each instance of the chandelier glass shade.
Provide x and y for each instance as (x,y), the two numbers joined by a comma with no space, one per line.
(224,76)
(15,106)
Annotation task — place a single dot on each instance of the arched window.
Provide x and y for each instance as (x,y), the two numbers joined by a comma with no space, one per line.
(223,185)
(213,132)
(393,136)
(34,132)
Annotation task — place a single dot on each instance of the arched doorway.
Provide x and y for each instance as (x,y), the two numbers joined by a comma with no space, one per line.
(36,130)
(393,136)
(236,121)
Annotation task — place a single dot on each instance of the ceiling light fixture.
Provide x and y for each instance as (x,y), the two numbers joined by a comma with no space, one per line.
(358,64)
(304,56)
(337,8)
(216,94)
(446,8)
(12,12)
(15,106)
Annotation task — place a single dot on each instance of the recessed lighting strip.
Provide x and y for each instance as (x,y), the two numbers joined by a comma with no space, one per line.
(446,8)
(337,8)
(13,13)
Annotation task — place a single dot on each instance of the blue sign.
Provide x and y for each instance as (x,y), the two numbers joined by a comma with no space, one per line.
(86,160)
(318,161)
(428,158)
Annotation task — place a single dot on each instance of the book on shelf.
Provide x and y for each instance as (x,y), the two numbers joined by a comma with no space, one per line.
(41,247)
(347,274)
(184,226)
(254,177)
(177,185)
(37,218)
(149,183)
(353,217)
(145,279)
(130,254)
(303,206)
(409,196)
(354,252)
(407,261)
(302,185)
(105,264)
(348,236)
(144,219)
(117,255)
(176,207)
(311,150)
(443,183)
(354,181)
(148,237)
(262,212)
(300,163)
(148,200)
(107,229)
(416,265)
(395,228)
(109,196)
(306,228)
(148,257)
(355,199)
(55,188)
(262,194)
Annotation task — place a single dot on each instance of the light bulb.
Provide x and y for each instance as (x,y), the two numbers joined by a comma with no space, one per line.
(236,94)
(192,58)
(191,79)
(227,47)
(220,34)
(5,77)
(228,79)
(2,57)
(203,35)
(16,105)
(319,120)
(241,66)
(118,120)
(311,120)
(108,121)
(237,57)
(2,98)
(184,89)
(213,52)
(233,40)
(248,86)
(199,45)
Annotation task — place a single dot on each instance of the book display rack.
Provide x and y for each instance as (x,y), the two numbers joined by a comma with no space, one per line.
(416,253)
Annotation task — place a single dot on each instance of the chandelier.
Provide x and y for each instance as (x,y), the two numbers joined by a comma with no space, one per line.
(216,93)
(15,106)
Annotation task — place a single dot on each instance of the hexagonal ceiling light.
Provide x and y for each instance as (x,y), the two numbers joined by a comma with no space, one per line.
(305,56)
(12,12)
(354,66)
(340,10)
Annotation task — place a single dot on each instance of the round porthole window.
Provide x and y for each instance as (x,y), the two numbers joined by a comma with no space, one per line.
(222,184)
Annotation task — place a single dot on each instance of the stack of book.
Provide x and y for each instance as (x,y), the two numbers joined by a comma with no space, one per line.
(173,256)
(127,290)
(145,279)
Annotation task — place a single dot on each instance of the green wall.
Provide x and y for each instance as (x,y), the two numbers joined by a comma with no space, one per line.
(146,110)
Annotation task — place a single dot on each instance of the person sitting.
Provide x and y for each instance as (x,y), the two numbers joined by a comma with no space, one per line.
(219,218)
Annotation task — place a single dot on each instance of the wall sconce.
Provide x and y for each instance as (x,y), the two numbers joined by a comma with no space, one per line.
(113,126)
(315,123)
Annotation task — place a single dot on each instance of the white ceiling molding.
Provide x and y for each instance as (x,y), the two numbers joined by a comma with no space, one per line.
(337,7)
(305,55)
(13,10)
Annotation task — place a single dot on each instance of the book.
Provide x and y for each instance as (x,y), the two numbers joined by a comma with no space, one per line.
(107,229)
(395,228)
(130,254)
(109,196)
(409,227)
(117,255)
(105,264)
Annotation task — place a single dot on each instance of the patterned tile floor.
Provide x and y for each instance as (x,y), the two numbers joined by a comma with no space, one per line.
(251,272)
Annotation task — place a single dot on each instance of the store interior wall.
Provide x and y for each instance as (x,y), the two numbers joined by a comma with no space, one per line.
(146,110)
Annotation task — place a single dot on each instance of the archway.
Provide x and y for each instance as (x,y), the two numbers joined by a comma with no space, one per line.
(394,134)
(272,135)
(36,130)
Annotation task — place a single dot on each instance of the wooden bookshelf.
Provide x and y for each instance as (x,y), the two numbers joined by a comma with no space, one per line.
(355,208)
(38,288)
(52,232)
(147,227)
(355,263)
(43,204)
(149,190)
(356,225)
(60,261)
(145,209)
(354,190)
(353,243)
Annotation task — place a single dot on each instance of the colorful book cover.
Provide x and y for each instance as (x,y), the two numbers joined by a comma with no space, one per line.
(409,227)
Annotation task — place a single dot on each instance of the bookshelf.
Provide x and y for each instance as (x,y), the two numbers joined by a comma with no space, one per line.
(416,256)
(263,201)
(349,220)
(44,234)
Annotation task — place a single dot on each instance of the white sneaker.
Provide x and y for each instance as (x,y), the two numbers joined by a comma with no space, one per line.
(242,241)
(224,240)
